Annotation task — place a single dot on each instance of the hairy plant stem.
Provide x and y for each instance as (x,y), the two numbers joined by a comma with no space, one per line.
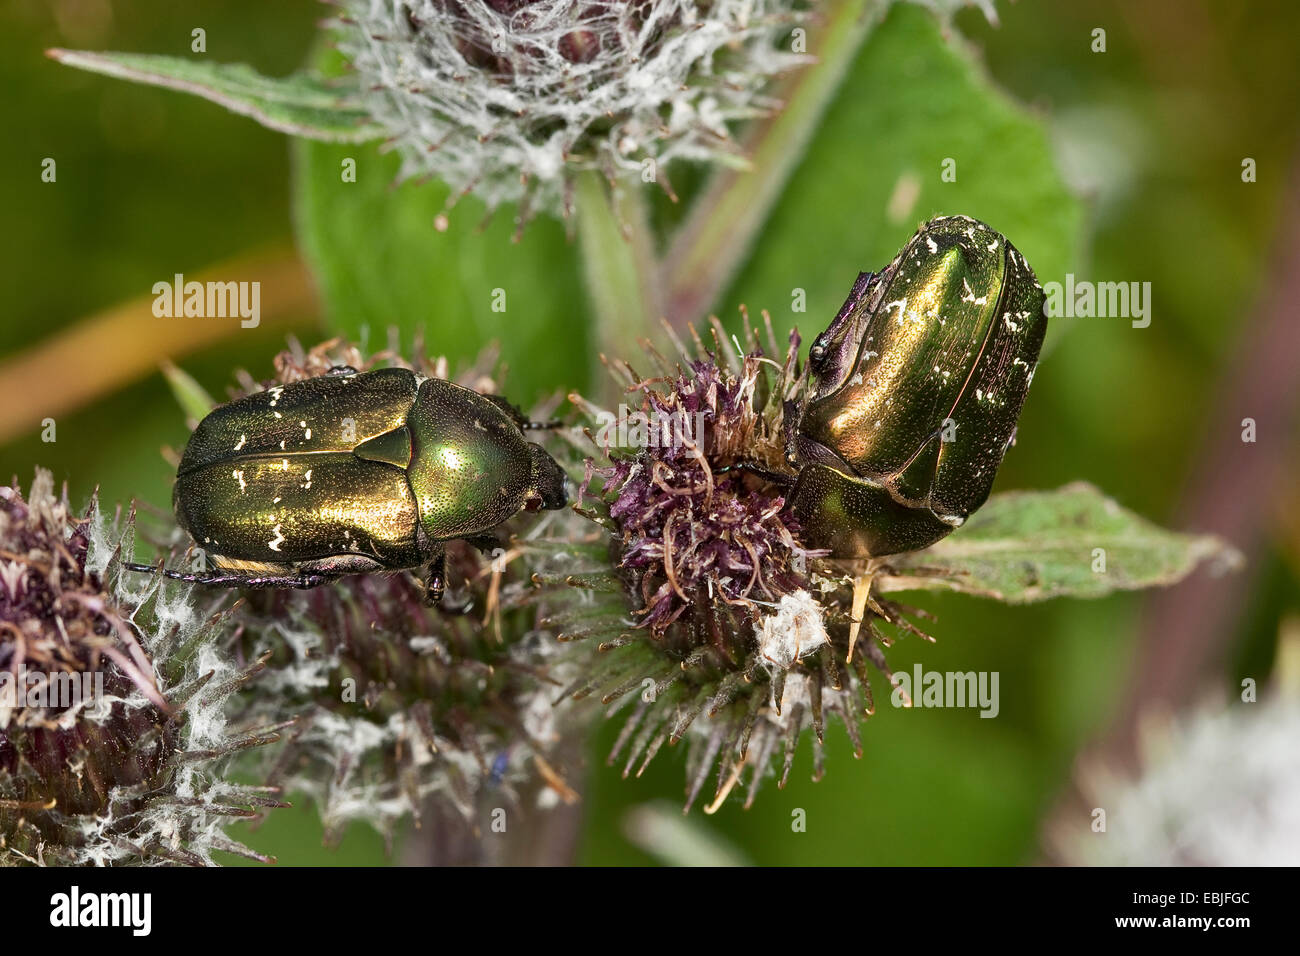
(526,835)
(710,246)
(619,264)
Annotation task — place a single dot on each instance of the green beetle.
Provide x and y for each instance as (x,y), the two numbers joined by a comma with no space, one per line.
(352,472)
(914,393)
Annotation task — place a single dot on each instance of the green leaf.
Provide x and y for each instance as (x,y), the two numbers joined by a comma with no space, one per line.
(301,105)
(192,397)
(1026,546)
(873,172)
(381,263)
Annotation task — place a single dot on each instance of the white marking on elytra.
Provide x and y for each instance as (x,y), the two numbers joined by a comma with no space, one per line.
(238,475)
(275,391)
(284,464)
(243,439)
(307,484)
(968,294)
(274,543)
(1029,379)
(1006,319)
(934,246)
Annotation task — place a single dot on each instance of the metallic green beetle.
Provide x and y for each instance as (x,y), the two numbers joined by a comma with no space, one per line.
(915,391)
(354,472)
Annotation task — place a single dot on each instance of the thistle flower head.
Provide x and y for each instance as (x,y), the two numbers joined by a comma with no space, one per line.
(691,534)
(111,702)
(714,620)
(509,98)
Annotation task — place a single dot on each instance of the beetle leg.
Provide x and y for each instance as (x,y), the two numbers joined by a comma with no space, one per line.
(235,579)
(435,581)
(521,420)
(507,406)
(436,590)
(302,582)
(775,477)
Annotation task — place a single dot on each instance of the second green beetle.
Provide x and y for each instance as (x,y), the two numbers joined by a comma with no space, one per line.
(914,393)
(354,472)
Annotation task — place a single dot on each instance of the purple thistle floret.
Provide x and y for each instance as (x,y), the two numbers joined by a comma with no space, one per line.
(691,528)
(742,632)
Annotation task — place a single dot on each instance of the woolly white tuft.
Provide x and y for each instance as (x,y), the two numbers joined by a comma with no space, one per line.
(509,98)
(794,631)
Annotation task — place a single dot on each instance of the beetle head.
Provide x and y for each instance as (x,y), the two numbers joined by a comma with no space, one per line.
(833,354)
(549,482)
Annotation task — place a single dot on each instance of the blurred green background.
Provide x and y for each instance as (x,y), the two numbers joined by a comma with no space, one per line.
(1148,136)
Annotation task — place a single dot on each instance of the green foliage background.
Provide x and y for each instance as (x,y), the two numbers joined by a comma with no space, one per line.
(152,183)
